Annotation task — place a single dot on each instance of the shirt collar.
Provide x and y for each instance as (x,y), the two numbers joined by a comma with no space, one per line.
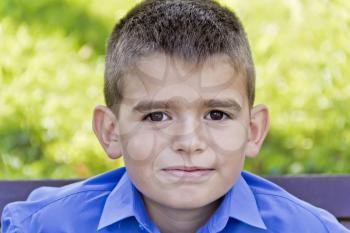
(124,201)
(238,203)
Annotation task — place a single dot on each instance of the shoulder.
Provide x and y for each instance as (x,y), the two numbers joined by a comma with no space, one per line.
(281,209)
(82,199)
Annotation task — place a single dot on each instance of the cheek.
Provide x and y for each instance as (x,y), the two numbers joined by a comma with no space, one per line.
(139,146)
(230,169)
(228,139)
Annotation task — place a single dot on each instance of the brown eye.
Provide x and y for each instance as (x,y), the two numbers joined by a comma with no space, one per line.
(157,116)
(217,115)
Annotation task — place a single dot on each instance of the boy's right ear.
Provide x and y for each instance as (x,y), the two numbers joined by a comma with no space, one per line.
(104,124)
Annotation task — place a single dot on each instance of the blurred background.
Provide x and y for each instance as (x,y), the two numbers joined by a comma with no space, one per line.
(51,77)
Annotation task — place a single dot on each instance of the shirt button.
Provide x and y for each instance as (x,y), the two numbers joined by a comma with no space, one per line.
(141,227)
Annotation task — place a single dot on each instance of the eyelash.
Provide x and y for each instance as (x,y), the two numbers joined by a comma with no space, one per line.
(147,117)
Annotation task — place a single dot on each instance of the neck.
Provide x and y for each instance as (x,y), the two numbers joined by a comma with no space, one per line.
(170,220)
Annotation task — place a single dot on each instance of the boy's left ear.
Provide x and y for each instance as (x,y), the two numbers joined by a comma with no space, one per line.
(258,128)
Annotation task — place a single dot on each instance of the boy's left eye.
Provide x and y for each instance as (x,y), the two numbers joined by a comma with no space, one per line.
(217,115)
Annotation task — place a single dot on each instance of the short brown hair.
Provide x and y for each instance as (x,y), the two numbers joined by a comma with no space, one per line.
(190,29)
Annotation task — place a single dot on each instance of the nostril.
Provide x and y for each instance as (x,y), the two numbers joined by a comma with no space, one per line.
(189,146)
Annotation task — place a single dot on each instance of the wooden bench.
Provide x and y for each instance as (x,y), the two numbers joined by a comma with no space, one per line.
(328,192)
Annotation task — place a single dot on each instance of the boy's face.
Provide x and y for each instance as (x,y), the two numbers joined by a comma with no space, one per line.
(184,130)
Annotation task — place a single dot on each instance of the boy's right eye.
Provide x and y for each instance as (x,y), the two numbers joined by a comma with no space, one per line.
(157,116)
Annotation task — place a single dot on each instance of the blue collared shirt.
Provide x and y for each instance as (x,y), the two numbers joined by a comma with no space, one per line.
(110,203)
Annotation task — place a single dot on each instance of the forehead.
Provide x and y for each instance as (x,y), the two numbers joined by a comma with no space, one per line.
(159,76)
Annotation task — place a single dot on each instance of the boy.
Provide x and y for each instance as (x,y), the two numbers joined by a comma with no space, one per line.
(179,89)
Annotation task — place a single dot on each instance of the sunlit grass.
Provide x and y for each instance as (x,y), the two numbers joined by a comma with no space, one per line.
(51,73)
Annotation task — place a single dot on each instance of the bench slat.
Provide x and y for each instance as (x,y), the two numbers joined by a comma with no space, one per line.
(328,192)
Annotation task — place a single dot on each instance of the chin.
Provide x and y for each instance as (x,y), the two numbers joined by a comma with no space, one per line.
(187,201)
(186,205)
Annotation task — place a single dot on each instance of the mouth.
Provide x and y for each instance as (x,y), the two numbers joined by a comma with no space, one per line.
(187,169)
(186,173)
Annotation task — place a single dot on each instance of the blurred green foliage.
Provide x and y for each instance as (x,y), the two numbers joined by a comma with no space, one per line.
(51,73)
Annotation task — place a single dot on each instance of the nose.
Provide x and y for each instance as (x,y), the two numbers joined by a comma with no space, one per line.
(189,139)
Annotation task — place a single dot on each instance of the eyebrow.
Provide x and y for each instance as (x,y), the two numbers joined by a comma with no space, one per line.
(223,103)
(147,105)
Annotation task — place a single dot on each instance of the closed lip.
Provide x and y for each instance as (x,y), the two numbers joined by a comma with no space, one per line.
(191,174)
(187,168)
